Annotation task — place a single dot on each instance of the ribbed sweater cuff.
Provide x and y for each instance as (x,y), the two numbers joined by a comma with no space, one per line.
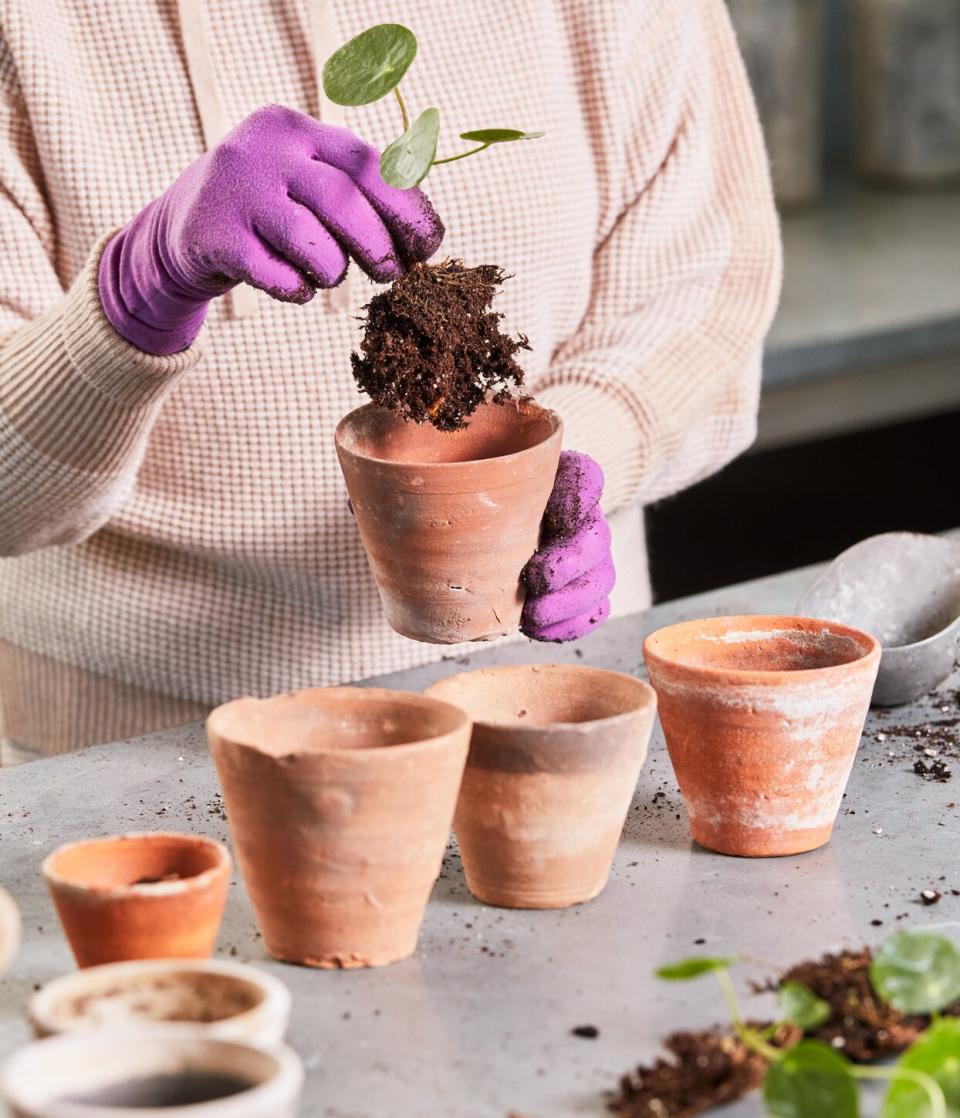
(77,391)
(597,422)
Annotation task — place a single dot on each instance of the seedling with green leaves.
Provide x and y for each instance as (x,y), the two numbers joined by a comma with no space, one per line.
(916,973)
(371,65)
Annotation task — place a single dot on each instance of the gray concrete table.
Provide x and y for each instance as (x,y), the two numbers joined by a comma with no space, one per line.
(478,1024)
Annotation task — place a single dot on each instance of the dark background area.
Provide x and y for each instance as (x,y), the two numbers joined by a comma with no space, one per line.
(788,506)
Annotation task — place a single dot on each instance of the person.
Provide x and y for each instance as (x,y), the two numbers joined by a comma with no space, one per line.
(179,209)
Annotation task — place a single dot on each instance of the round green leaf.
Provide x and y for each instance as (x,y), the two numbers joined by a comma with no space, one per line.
(370,65)
(498,135)
(802,1006)
(937,1053)
(693,967)
(811,1081)
(407,160)
(917,972)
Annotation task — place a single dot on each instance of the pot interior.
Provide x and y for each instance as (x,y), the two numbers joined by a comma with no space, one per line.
(543,694)
(120,1000)
(325,720)
(494,430)
(106,1071)
(759,644)
(134,860)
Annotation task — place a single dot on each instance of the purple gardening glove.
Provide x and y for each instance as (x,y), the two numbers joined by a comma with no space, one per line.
(280,204)
(570,577)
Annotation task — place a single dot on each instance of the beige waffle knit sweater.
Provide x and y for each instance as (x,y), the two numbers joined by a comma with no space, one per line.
(173,531)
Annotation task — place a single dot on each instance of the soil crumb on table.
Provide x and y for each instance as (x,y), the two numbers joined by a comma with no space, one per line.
(432,349)
(705,1069)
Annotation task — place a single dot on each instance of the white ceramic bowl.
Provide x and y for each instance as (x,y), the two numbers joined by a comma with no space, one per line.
(111,1074)
(210,997)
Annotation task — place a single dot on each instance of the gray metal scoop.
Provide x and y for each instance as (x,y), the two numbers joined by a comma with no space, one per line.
(904,589)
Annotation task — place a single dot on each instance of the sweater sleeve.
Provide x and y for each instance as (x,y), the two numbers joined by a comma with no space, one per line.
(76,400)
(661,382)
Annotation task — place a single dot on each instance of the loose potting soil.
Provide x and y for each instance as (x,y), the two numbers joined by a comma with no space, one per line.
(432,349)
(707,1069)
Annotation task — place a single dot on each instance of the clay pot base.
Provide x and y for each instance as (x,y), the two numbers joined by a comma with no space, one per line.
(554,759)
(762,718)
(449,519)
(340,802)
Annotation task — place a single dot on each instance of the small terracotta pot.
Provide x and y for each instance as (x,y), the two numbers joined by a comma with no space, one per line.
(449,519)
(113,1074)
(554,760)
(340,802)
(148,896)
(9,930)
(762,717)
(212,998)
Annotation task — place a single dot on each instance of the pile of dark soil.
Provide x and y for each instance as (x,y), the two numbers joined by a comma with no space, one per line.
(861,1025)
(706,1069)
(432,349)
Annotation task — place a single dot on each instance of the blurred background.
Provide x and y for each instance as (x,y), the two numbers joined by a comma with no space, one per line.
(860,412)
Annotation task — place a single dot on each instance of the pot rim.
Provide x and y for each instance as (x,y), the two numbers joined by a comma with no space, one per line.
(275,995)
(556,432)
(155,889)
(761,675)
(377,694)
(531,729)
(284,1082)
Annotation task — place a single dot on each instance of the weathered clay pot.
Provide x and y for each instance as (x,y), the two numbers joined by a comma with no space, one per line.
(554,760)
(781,45)
(762,717)
(115,1074)
(907,90)
(146,896)
(212,998)
(449,519)
(340,802)
(9,930)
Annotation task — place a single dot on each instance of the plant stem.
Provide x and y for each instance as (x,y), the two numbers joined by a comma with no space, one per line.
(403,107)
(750,1037)
(462,155)
(934,1092)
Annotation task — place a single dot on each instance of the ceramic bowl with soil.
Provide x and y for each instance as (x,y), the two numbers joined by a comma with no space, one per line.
(216,999)
(113,1074)
(142,896)
(762,718)
(449,519)
(340,802)
(554,759)
(9,930)
(905,589)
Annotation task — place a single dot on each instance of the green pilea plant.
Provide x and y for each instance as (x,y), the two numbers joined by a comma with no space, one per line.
(370,66)
(916,973)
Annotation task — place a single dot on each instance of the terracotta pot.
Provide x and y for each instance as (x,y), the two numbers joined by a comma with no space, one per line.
(148,896)
(9,930)
(115,1075)
(212,998)
(449,520)
(554,760)
(762,717)
(340,802)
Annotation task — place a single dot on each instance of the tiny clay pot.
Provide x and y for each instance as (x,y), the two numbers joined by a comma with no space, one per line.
(213,999)
(449,519)
(554,759)
(120,1074)
(142,896)
(9,930)
(762,717)
(340,802)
